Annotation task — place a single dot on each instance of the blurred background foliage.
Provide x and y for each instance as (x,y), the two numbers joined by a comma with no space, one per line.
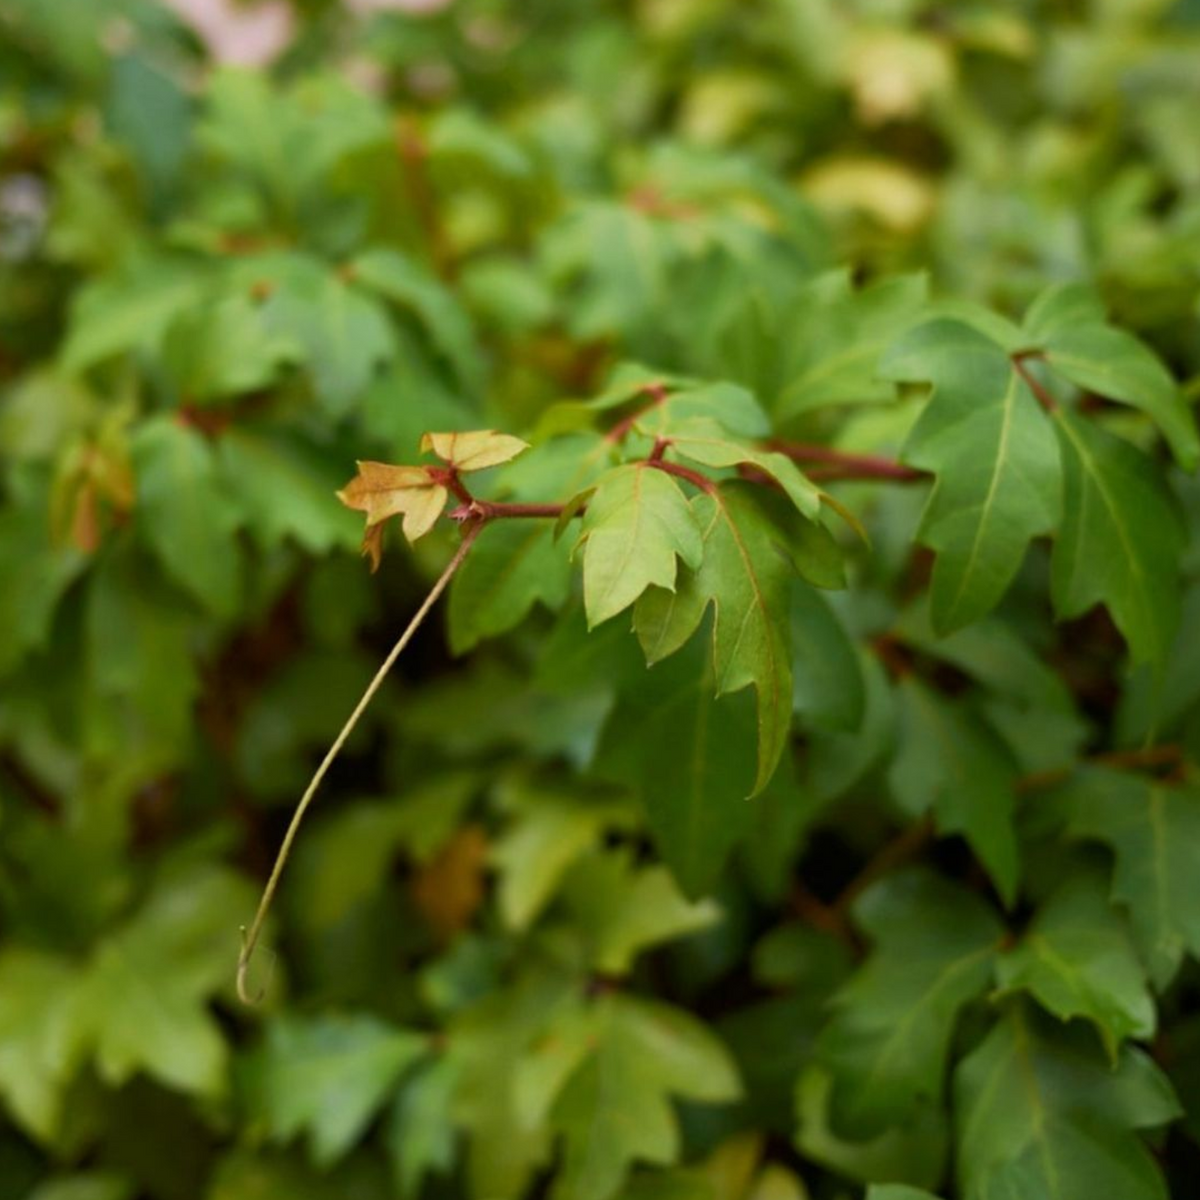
(235,258)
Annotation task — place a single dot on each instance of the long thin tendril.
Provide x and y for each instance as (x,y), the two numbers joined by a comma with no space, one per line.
(250,936)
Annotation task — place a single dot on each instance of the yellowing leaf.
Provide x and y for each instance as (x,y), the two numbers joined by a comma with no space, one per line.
(382,491)
(473,451)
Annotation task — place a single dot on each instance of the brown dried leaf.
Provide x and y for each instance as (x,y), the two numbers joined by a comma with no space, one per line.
(382,491)
(475,450)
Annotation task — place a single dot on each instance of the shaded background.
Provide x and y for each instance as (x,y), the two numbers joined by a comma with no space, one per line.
(242,245)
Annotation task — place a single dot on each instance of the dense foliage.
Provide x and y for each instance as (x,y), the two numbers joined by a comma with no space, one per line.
(794,793)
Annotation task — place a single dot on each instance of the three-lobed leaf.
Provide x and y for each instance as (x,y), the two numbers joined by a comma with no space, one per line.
(992,450)
(637,523)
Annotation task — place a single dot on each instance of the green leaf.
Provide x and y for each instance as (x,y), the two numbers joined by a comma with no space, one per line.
(411,286)
(622,910)
(828,690)
(327,1077)
(950,760)
(836,337)
(550,833)
(420,1136)
(704,441)
(42,1036)
(512,567)
(36,572)
(130,311)
(984,436)
(637,522)
(1042,1116)
(282,486)
(689,756)
(898,1191)
(615,1108)
(225,348)
(933,946)
(1023,698)
(147,984)
(185,513)
(141,678)
(1120,539)
(733,409)
(1076,960)
(517,564)
(86,1185)
(1068,324)
(1153,831)
(914,1151)
(746,577)
(345,334)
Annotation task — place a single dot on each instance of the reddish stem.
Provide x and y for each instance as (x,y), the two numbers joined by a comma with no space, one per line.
(657,392)
(487,510)
(1035,385)
(448,478)
(844,465)
(693,477)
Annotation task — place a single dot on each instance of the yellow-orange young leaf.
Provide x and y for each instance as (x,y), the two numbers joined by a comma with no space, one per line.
(382,491)
(475,450)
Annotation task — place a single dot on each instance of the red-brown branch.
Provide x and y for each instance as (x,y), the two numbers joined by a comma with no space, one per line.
(1035,385)
(842,464)
(657,393)
(487,510)
(680,472)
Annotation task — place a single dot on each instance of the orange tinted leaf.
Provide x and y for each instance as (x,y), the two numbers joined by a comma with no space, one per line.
(449,888)
(381,491)
(372,545)
(475,450)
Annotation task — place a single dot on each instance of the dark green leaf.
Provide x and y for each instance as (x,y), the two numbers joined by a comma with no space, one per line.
(1120,539)
(1076,959)
(1042,1116)
(933,950)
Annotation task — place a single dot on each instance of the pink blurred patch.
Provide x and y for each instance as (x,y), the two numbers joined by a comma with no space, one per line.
(239,34)
(407,6)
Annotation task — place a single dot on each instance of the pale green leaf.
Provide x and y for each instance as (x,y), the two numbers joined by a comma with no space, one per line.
(637,522)
(42,1036)
(549,833)
(616,1109)
(914,1151)
(704,441)
(622,910)
(327,1077)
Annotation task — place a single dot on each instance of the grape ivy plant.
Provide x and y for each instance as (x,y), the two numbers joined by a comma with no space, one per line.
(710,486)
